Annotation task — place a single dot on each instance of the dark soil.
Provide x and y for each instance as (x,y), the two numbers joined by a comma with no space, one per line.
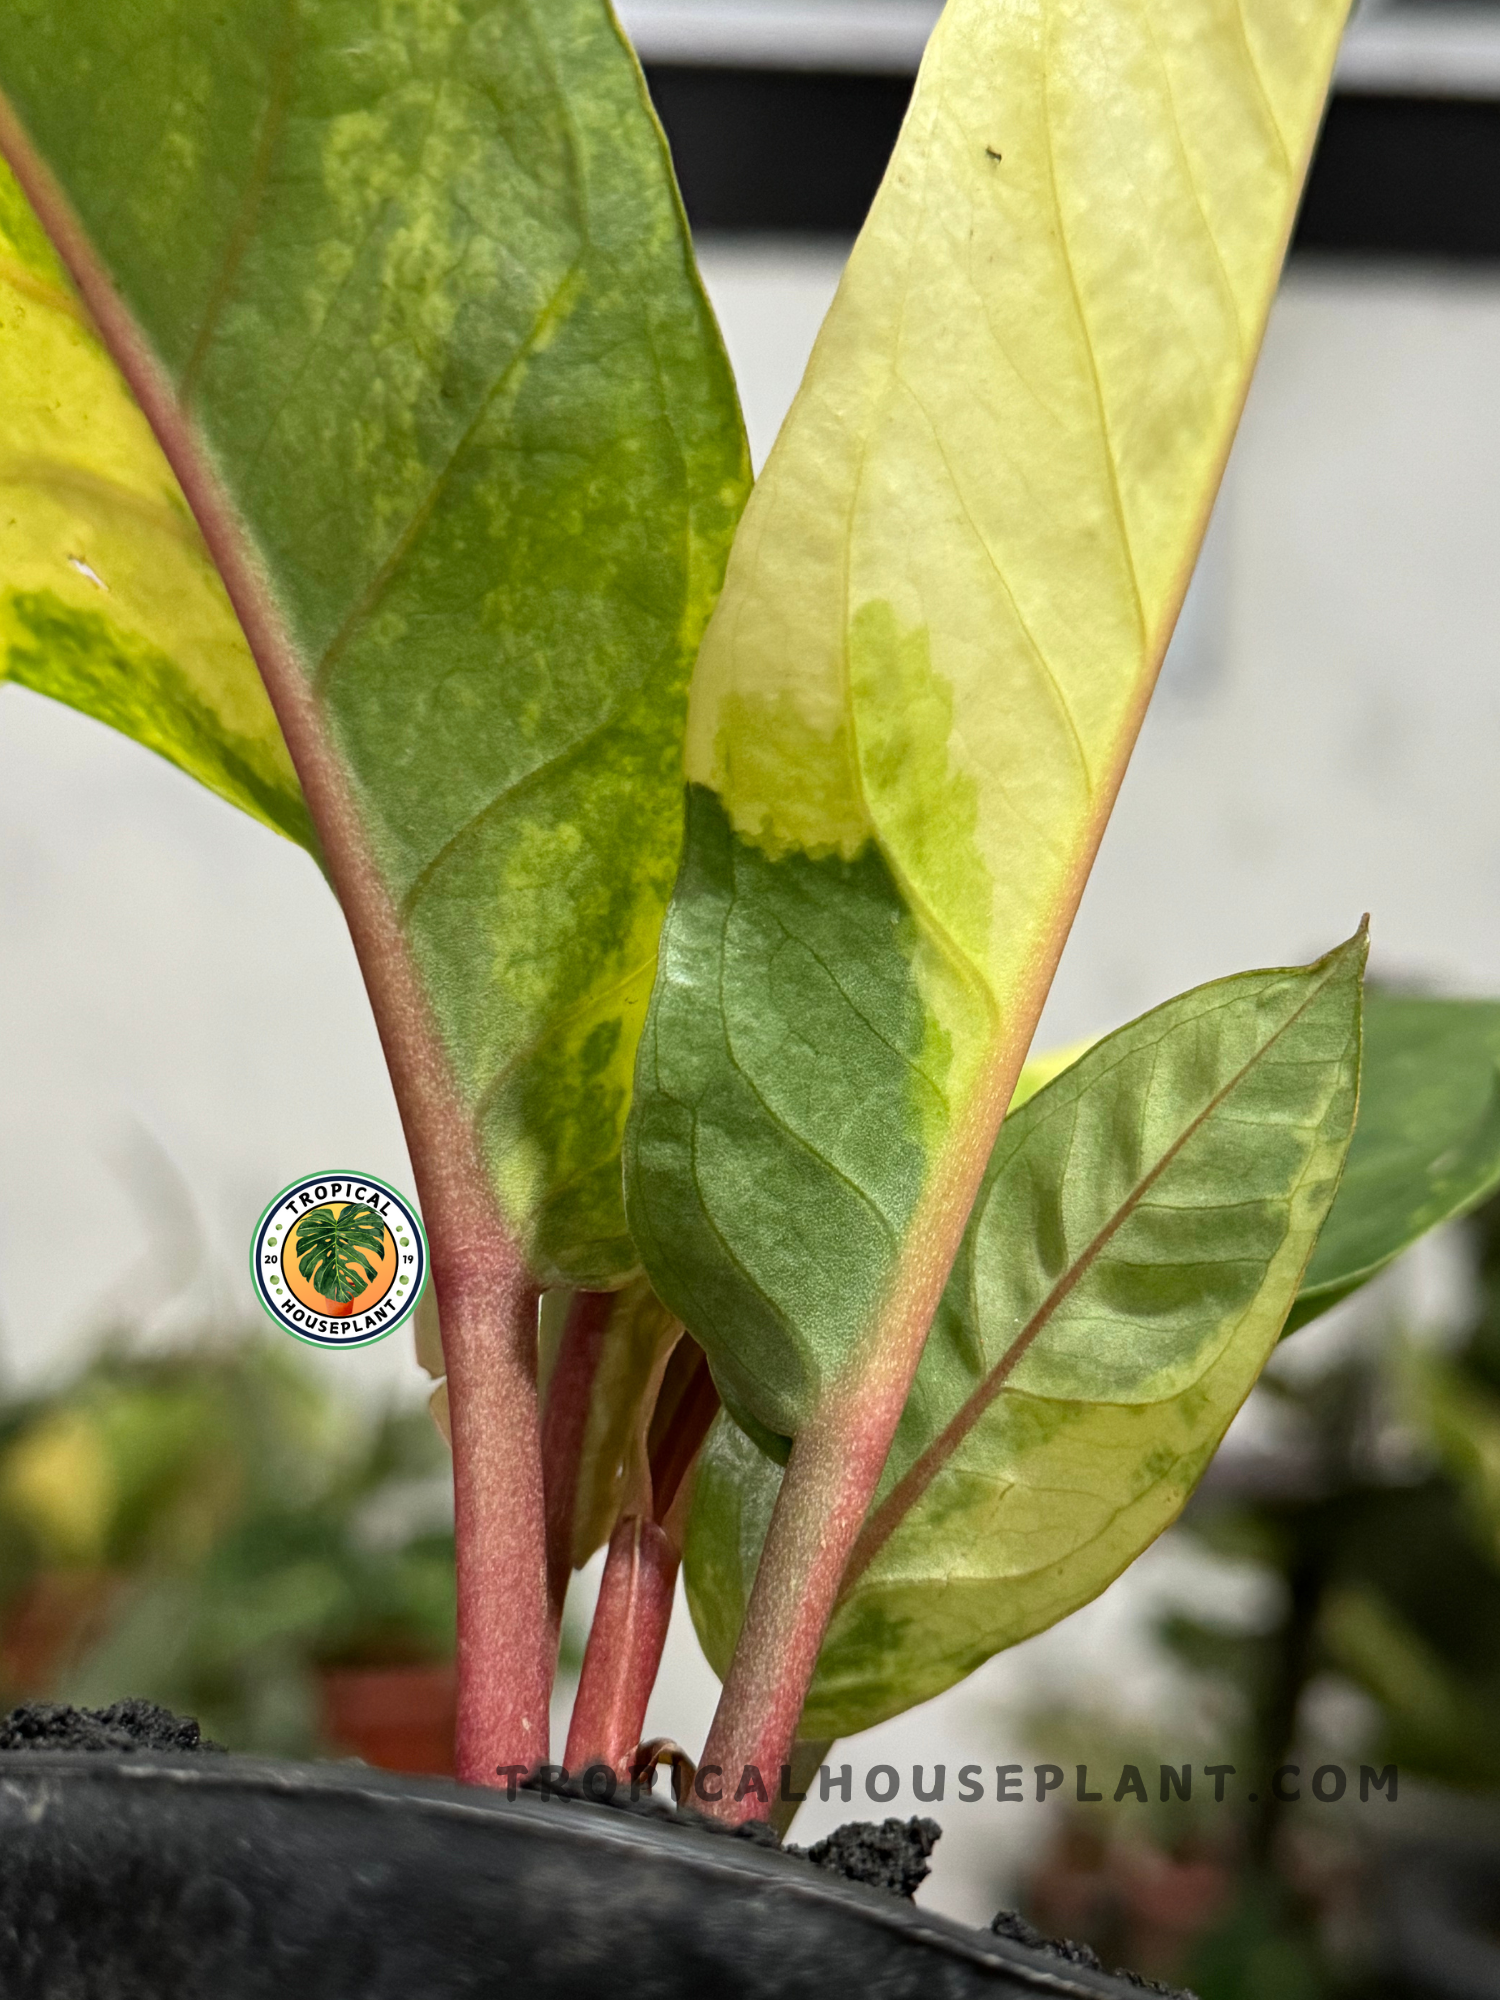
(890,1856)
(124,1726)
(1008,1925)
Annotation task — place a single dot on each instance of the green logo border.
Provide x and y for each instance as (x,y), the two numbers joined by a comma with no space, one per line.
(325,1344)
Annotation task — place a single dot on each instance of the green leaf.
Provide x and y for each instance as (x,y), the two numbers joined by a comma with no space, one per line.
(940,626)
(408,296)
(108,598)
(331,1249)
(1427,1145)
(1461,1417)
(1139,1236)
(1436,1716)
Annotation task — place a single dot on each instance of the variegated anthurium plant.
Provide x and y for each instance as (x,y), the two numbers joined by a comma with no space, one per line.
(368,449)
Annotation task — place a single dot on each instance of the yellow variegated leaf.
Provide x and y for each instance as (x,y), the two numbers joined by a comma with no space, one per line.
(943,615)
(942,618)
(108,598)
(962,565)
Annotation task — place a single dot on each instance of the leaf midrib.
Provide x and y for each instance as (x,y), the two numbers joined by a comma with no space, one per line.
(915,1481)
(554,313)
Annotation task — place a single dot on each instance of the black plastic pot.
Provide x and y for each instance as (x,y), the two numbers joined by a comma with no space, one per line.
(152,1877)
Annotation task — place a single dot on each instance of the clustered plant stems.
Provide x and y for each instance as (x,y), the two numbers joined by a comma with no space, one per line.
(629,1398)
(513,1484)
(516,1470)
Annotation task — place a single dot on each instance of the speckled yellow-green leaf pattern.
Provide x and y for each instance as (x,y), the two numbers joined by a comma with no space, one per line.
(1143,1226)
(419,276)
(108,599)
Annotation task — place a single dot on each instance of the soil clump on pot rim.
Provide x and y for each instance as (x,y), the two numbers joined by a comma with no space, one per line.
(123,1727)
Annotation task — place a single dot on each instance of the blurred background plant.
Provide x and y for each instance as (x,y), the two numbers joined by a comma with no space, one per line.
(1362,1537)
(213,1528)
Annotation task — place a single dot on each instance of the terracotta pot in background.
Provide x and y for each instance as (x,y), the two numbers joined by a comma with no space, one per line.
(1127,1898)
(398,1718)
(54,1620)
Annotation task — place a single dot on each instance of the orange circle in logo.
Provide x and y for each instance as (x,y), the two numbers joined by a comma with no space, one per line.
(301,1288)
(339,1232)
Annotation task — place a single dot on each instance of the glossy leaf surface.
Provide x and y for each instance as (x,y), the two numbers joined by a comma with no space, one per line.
(408,295)
(940,626)
(1141,1231)
(108,598)
(1427,1145)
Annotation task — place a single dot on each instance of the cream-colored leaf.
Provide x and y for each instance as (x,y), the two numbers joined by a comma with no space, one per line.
(959,572)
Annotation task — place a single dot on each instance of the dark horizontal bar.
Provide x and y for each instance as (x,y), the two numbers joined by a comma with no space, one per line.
(1405,176)
(800,152)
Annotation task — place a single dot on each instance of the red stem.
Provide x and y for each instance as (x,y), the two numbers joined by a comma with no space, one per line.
(830,1481)
(635,1594)
(834,1467)
(625,1647)
(487,1302)
(564,1427)
(489,1343)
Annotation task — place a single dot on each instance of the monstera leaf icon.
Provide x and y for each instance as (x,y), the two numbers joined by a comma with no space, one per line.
(331,1247)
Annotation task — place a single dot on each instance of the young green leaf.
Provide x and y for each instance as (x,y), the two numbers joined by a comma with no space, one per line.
(1139,1236)
(1427,1145)
(409,301)
(334,1248)
(108,598)
(940,627)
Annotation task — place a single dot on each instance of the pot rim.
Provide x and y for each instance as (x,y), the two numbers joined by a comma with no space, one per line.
(566,1821)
